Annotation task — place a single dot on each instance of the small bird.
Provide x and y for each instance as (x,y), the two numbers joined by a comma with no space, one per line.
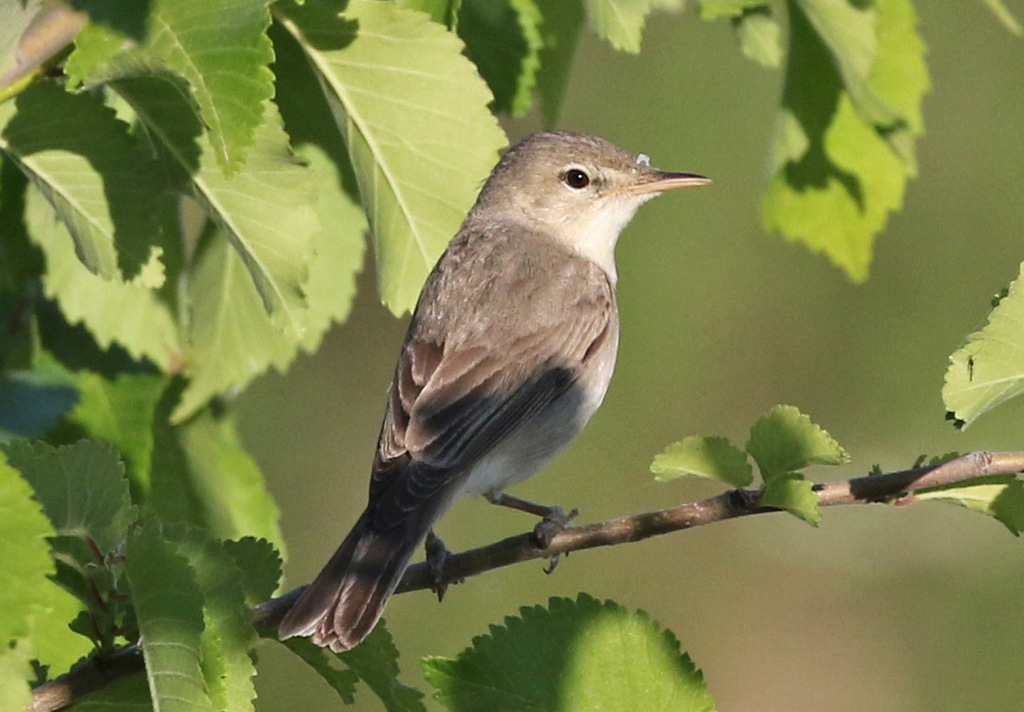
(508,354)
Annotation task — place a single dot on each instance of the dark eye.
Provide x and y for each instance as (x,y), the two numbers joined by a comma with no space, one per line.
(576,179)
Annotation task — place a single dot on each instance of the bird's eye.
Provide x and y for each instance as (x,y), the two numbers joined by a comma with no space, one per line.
(576,179)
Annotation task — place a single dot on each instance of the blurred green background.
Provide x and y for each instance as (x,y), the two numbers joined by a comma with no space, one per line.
(880,608)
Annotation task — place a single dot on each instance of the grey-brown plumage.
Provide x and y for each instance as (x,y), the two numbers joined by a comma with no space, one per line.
(508,354)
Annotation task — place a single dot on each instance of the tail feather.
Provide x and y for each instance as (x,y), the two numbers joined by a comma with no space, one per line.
(348,596)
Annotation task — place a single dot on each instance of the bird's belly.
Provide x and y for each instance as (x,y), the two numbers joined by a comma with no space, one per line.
(534,443)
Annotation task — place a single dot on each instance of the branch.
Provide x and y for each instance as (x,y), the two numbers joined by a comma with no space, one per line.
(95,674)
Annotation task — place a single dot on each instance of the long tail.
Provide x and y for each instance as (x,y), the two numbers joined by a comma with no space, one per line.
(348,596)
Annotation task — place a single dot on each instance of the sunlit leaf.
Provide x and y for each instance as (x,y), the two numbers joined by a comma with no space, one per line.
(571,656)
(413,111)
(33,610)
(785,440)
(93,172)
(621,22)
(219,47)
(999,497)
(989,369)
(794,494)
(712,457)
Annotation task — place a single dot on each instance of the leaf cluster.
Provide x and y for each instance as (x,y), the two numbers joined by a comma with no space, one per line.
(187,188)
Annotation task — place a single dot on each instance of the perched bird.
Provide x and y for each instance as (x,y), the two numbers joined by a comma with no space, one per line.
(508,354)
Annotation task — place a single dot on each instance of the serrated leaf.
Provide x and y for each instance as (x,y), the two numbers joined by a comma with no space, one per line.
(219,47)
(1004,16)
(168,605)
(231,339)
(375,661)
(844,146)
(93,172)
(784,440)
(621,22)
(999,497)
(323,662)
(33,610)
(227,632)
(794,494)
(82,487)
(989,369)
(128,314)
(260,565)
(560,31)
(503,40)
(130,694)
(120,412)
(414,115)
(712,457)
(228,482)
(340,243)
(571,656)
(265,208)
(15,672)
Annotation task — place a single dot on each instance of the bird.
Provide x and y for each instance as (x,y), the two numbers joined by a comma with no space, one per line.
(509,352)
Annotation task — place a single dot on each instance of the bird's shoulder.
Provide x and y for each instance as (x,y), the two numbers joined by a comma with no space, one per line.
(495,274)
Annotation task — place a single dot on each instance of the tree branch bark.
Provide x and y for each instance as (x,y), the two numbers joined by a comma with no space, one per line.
(95,674)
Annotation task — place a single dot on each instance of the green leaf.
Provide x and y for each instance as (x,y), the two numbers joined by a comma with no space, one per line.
(168,604)
(339,244)
(130,694)
(711,457)
(1004,16)
(260,565)
(128,314)
(413,111)
(265,208)
(323,662)
(715,9)
(82,487)
(228,482)
(231,339)
(219,47)
(989,369)
(375,661)
(844,143)
(760,37)
(98,179)
(227,632)
(1001,497)
(120,411)
(794,494)
(503,40)
(784,440)
(560,31)
(621,22)
(571,656)
(15,672)
(33,610)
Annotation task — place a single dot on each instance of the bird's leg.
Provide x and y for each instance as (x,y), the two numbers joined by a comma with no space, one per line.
(437,555)
(553,519)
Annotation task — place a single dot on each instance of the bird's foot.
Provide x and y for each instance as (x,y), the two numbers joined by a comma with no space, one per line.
(437,555)
(553,519)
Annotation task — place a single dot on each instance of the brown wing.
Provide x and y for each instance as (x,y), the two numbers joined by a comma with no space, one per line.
(482,356)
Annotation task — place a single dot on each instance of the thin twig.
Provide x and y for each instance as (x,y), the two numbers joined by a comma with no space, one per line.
(95,674)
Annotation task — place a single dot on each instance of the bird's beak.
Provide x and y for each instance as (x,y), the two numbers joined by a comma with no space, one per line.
(660,181)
